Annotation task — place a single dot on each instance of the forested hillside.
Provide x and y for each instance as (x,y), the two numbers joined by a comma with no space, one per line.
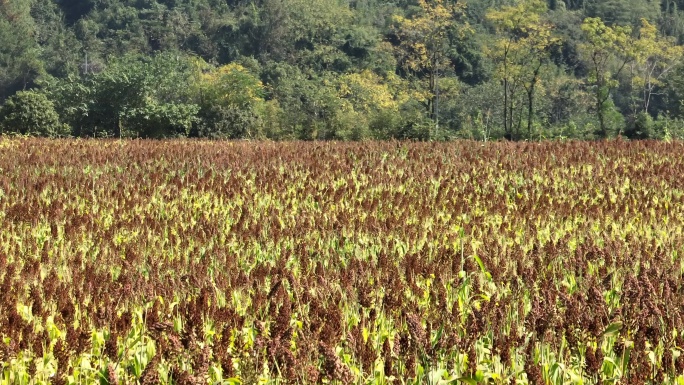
(342,69)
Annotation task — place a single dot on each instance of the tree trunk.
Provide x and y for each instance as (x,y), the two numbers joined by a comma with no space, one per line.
(599,113)
(436,103)
(507,128)
(530,109)
(600,100)
(505,109)
(530,98)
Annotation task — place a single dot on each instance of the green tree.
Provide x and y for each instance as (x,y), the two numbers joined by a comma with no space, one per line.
(306,33)
(623,12)
(607,52)
(520,52)
(134,96)
(60,49)
(20,62)
(30,113)
(425,41)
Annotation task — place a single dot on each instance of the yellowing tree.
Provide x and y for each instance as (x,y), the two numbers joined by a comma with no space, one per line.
(231,99)
(367,97)
(425,41)
(654,56)
(231,84)
(367,92)
(520,53)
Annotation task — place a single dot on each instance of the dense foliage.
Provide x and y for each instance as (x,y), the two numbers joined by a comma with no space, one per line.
(188,262)
(350,69)
(31,113)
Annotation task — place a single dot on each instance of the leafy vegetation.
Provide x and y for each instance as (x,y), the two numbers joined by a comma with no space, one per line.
(343,69)
(31,113)
(188,262)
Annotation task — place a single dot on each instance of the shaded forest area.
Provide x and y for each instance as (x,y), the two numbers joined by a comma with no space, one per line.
(342,69)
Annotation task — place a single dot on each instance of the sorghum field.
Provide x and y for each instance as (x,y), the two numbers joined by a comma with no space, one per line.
(181,262)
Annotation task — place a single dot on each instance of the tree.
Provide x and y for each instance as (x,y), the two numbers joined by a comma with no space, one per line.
(425,40)
(607,52)
(75,9)
(522,49)
(367,92)
(134,96)
(623,12)
(327,69)
(305,33)
(671,19)
(231,99)
(30,113)
(370,99)
(60,50)
(20,63)
(654,57)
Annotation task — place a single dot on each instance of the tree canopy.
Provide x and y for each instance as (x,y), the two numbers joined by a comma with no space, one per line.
(344,69)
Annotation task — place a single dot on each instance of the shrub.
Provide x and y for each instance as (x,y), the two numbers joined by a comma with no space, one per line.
(31,113)
(643,127)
